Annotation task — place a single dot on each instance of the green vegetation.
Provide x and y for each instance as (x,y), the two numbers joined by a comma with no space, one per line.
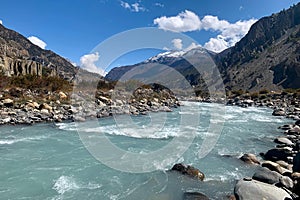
(131,85)
(264,91)
(254,95)
(291,90)
(238,92)
(35,83)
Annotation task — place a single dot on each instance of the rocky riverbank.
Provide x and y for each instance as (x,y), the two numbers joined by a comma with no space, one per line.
(278,175)
(27,107)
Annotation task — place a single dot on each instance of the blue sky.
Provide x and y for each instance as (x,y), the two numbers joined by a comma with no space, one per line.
(73,28)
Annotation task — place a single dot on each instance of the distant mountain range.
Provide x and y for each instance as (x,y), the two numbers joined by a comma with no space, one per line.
(268,57)
(162,68)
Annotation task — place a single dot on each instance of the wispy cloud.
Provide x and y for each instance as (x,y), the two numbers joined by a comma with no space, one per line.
(229,33)
(88,61)
(134,7)
(125,5)
(159,5)
(37,41)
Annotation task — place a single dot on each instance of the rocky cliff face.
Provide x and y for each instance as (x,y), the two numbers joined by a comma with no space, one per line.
(11,67)
(18,56)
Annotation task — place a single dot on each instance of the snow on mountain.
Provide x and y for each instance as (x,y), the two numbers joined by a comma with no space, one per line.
(167,54)
(174,54)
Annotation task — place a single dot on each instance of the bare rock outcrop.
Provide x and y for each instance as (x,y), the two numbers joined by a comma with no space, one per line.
(15,67)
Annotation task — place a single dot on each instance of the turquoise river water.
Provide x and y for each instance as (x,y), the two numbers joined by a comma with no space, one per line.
(49,161)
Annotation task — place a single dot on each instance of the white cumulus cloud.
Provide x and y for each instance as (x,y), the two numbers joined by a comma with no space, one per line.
(87,62)
(217,44)
(37,41)
(183,22)
(228,33)
(213,23)
(1,22)
(177,43)
(134,7)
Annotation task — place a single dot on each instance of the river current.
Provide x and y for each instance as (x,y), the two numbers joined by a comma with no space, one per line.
(50,161)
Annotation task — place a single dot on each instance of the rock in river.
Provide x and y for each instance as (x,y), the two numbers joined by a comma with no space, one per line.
(272,166)
(194,196)
(286,182)
(248,189)
(278,112)
(188,170)
(250,158)
(277,154)
(265,175)
(283,140)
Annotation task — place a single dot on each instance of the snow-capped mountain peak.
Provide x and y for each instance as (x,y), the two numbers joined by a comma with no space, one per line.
(174,54)
(167,54)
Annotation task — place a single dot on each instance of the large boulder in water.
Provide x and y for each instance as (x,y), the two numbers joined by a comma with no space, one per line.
(265,175)
(283,140)
(194,196)
(188,170)
(273,166)
(286,182)
(249,158)
(248,189)
(279,112)
(277,154)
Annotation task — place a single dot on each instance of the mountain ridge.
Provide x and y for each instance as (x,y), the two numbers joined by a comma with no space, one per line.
(19,56)
(267,57)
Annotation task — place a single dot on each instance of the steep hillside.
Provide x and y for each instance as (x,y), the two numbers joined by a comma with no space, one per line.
(278,66)
(19,56)
(268,56)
